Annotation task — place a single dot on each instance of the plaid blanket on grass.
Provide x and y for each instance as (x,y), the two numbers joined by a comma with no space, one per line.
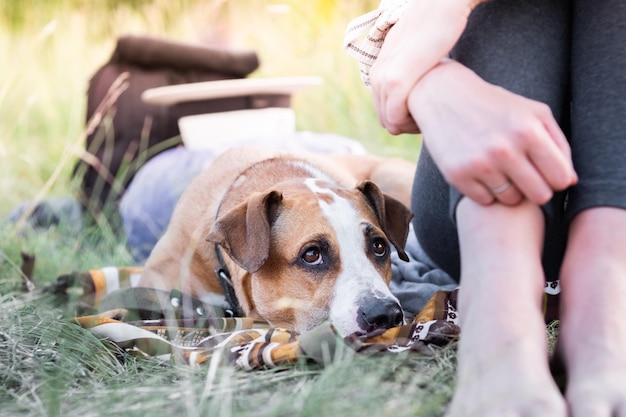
(158,324)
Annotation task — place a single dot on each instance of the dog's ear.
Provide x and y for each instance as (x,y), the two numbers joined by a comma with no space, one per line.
(394,217)
(244,232)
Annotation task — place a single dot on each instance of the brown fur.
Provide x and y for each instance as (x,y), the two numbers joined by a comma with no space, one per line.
(256,222)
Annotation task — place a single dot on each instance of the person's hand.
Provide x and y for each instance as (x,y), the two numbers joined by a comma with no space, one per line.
(423,36)
(489,143)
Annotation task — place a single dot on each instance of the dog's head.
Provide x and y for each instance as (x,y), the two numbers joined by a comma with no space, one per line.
(314,252)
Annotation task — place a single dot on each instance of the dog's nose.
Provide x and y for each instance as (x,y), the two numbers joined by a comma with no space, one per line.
(377,314)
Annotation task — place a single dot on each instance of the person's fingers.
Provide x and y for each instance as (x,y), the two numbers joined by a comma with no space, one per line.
(476,191)
(405,126)
(553,159)
(391,106)
(554,130)
(395,118)
(399,120)
(529,182)
(397,111)
(472,178)
(550,161)
(506,193)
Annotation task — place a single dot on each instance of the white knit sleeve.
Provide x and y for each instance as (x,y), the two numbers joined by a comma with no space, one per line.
(365,34)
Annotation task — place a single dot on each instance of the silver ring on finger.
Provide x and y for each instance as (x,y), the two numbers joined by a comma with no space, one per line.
(501,188)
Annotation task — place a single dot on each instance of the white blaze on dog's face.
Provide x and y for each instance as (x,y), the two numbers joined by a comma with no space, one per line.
(329,260)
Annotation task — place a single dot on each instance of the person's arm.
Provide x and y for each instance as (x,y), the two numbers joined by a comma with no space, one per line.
(419,40)
(482,136)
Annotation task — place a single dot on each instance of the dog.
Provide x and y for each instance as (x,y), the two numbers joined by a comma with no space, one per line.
(296,239)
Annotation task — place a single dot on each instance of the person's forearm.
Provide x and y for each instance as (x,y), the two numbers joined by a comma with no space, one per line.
(421,38)
(426,32)
(432,87)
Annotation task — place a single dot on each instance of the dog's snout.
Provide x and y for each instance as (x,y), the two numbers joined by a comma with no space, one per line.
(379,314)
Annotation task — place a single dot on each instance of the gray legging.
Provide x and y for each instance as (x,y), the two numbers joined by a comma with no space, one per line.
(570,55)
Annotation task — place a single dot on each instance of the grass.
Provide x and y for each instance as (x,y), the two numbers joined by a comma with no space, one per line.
(49,367)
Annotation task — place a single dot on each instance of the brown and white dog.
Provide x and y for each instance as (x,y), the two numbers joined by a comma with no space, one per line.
(304,238)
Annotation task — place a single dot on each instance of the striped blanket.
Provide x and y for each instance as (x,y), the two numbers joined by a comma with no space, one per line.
(175,327)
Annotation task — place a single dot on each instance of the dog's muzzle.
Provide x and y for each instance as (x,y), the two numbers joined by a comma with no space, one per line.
(379,313)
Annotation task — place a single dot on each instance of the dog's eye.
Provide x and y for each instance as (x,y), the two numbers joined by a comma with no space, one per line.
(313,256)
(379,247)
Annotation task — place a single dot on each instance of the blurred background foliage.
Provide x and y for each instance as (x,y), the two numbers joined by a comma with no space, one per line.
(50,48)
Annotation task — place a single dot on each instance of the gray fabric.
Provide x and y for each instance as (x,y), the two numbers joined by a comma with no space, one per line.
(530,47)
(415,282)
(598,104)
